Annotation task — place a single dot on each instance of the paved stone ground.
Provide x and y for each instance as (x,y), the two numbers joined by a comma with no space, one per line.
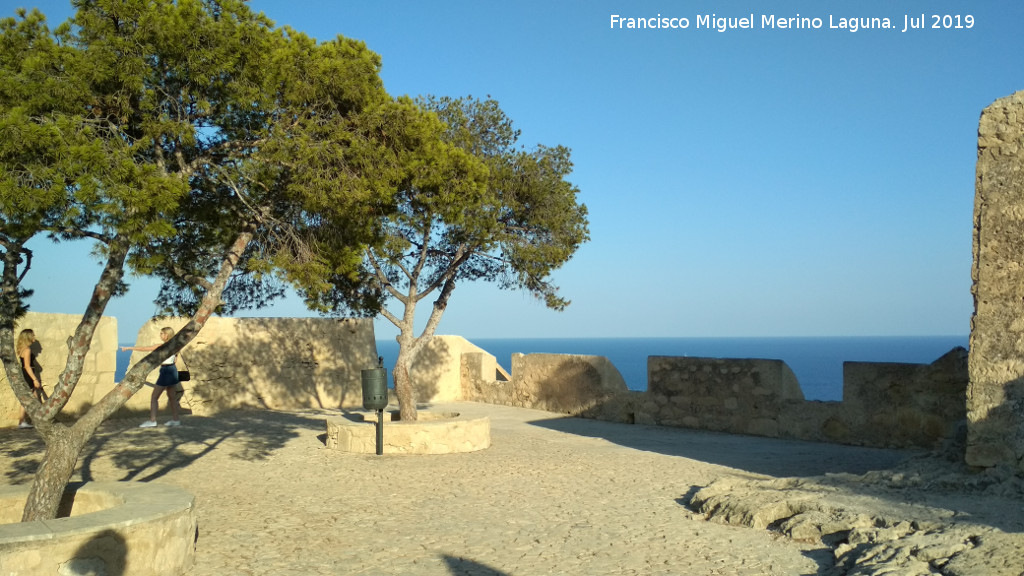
(552,495)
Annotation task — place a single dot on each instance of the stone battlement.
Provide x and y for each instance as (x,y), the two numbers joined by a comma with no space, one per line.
(884,404)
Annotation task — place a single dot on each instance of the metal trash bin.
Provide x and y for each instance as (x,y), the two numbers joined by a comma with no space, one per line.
(375,396)
(375,388)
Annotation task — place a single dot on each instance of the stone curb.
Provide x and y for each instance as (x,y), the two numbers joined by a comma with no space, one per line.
(120,528)
(432,434)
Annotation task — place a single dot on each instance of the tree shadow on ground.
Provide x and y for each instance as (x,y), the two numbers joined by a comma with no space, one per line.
(824,558)
(150,453)
(22,451)
(759,455)
(467,567)
(937,479)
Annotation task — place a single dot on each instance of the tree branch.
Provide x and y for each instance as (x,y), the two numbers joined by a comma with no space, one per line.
(135,378)
(383,277)
(28,263)
(79,344)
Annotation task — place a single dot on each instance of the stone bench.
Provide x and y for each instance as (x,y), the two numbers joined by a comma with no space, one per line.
(141,529)
(432,433)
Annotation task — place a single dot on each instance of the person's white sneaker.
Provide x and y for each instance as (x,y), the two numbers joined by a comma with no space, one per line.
(172,423)
(25,425)
(148,424)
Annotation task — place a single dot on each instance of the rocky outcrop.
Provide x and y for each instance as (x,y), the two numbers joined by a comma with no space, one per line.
(930,517)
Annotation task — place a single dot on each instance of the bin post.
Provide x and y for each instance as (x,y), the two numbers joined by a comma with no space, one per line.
(380,432)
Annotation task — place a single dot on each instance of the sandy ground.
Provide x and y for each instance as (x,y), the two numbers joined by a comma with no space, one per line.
(552,495)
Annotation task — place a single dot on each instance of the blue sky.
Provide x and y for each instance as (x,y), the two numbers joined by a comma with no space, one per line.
(751,182)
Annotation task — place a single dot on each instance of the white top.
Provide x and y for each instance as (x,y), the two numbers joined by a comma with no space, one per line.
(169,361)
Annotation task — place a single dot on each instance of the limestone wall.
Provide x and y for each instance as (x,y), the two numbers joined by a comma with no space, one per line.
(570,384)
(884,405)
(434,370)
(995,399)
(743,396)
(52,334)
(903,404)
(123,528)
(276,363)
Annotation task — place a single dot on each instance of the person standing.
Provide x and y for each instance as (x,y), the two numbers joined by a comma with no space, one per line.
(166,381)
(27,358)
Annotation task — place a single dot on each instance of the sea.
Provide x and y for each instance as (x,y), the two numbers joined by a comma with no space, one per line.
(817,362)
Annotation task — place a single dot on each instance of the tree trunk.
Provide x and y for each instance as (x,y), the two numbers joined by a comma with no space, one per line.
(63,446)
(403,384)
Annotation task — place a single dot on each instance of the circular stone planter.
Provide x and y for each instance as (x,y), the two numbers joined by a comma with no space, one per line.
(106,528)
(431,433)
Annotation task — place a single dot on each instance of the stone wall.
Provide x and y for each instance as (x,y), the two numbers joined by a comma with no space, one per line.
(276,363)
(124,528)
(570,384)
(888,404)
(995,399)
(52,334)
(743,396)
(434,369)
(884,405)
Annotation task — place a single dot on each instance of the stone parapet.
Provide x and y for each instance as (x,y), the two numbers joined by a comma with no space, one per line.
(889,404)
(728,395)
(435,368)
(885,404)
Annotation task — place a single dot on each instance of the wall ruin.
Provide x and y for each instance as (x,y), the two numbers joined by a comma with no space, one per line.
(995,398)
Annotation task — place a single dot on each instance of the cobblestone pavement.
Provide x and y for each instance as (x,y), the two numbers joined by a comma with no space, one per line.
(552,495)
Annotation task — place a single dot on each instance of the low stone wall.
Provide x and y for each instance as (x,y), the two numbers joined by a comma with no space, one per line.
(884,404)
(431,433)
(434,370)
(744,396)
(142,529)
(275,363)
(902,404)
